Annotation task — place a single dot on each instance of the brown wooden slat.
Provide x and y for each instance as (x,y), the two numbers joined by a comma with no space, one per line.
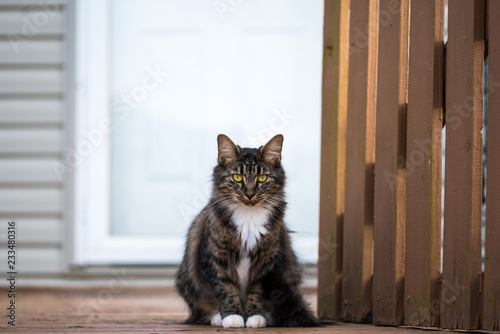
(491,290)
(423,164)
(333,131)
(357,264)
(463,173)
(390,171)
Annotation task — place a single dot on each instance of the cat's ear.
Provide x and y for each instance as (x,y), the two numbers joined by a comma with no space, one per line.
(228,151)
(272,150)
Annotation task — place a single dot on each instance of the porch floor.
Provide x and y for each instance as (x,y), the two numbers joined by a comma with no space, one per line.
(145,310)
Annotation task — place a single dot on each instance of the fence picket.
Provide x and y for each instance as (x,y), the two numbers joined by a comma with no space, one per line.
(423,164)
(463,173)
(380,222)
(491,305)
(333,131)
(390,170)
(357,264)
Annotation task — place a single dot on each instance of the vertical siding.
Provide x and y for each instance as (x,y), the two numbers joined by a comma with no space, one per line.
(31,131)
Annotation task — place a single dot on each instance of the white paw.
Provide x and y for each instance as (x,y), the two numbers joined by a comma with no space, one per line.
(216,320)
(233,321)
(256,321)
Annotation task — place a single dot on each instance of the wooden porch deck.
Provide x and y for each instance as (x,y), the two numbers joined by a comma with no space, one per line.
(143,310)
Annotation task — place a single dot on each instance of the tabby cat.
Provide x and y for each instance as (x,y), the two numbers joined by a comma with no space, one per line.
(239,268)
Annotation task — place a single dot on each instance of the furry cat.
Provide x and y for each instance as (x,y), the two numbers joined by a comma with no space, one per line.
(239,264)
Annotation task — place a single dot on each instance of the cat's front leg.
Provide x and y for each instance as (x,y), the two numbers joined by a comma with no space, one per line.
(227,295)
(254,308)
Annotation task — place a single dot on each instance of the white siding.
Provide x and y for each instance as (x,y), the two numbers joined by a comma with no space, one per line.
(25,112)
(13,21)
(30,141)
(30,82)
(31,132)
(39,52)
(26,172)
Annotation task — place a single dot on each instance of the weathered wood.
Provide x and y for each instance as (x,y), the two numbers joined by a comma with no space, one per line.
(333,132)
(121,305)
(423,164)
(357,264)
(491,287)
(390,171)
(463,173)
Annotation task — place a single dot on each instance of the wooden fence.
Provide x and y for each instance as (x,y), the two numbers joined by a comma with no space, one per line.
(390,85)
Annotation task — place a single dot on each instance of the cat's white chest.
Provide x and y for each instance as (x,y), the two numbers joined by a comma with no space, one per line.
(251,224)
(243,269)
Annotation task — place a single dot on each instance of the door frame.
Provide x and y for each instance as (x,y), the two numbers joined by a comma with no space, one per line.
(87,153)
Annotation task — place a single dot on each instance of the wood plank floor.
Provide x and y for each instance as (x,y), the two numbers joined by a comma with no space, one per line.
(115,310)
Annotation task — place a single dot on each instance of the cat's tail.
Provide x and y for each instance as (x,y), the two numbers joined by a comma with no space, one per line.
(303,318)
(195,320)
(197,317)
(295,312)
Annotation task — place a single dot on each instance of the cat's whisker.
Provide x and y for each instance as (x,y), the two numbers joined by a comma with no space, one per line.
(242,230)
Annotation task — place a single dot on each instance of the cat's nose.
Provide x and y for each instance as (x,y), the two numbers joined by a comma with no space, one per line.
(250,195)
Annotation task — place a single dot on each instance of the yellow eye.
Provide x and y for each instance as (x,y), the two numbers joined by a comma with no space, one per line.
(237,177)
(262,178)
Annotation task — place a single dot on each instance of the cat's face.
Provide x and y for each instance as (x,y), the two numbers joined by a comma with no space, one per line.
(249,176)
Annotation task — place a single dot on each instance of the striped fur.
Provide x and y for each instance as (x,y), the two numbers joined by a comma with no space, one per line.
(238,263)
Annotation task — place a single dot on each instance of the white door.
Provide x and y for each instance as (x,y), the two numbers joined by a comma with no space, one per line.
(179,73)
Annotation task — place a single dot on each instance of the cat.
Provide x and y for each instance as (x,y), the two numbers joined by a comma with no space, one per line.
(239,268)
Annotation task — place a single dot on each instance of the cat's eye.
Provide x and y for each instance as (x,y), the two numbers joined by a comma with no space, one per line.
(237,177)
(262,178)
